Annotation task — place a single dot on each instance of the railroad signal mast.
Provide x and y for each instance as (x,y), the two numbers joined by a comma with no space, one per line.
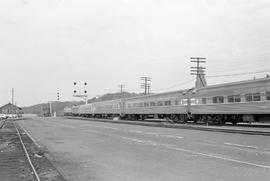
(58,96)
(82,95)
(199,71)
(146,85)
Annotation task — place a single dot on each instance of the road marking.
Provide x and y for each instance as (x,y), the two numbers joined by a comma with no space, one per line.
(172,136)
(152,133)
(195,152)
(28,134)
(152,143)
(139,132)
(222,158)
(148,142)
(245,146)
(135,131)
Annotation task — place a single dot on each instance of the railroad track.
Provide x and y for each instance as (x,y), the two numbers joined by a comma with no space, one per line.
(20,159)
(2,122)
(13,165)
(27,154)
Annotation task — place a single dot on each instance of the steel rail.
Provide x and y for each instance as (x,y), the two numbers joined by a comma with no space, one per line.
(2,123)
(26,153)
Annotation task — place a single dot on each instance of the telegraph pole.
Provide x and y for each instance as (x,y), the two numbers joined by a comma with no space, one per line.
(148,87)
(50,104)
(145,85)
(199,71)
(121,86)
(12,100)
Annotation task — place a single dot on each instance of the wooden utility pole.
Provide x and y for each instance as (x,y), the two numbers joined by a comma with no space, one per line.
(12,99)
(199,71)
(145,85)
(121,86)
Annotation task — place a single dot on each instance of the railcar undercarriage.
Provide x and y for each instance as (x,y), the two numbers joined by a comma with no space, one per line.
(213,119)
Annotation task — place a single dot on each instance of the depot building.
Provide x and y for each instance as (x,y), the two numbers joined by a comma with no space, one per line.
(10,109)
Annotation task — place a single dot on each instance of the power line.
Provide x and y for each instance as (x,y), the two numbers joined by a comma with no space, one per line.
(244,73)
(176,85)
(235,67)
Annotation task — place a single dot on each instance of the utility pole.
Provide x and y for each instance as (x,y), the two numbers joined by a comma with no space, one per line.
(50,108)
(148,87)
(145,85)
(199,71)
(12,99)
(121,86)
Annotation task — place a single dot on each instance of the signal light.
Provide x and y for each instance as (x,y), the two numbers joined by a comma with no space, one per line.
(74,91)
(74,83)
(85,83)
(85,92)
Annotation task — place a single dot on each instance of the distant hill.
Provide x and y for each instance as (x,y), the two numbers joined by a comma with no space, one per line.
(44,108)
(58,107)
(113,96)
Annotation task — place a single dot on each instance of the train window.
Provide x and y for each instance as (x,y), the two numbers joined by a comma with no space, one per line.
(237,98)
(176,102)
(234,98)
(167,103)
(218,99)
(203,100)
(256,97)
(159,103)
(146,104)
(267,95)
(248,97)
(152,104)
(253,97)
(140,104)
(230,99)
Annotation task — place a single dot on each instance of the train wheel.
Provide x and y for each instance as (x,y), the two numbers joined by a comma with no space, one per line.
(218,119)
(175,118)
(182,118)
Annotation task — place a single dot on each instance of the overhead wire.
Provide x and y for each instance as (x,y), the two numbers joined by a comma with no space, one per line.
(211,76)
(176,85)
(245,66)
(237,74)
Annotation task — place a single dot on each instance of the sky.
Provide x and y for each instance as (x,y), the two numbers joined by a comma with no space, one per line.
(46,45)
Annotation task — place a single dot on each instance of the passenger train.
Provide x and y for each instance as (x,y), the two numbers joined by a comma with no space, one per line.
(242,101)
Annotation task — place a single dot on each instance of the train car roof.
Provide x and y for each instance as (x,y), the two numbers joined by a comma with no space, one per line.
(157,94)
(180,91)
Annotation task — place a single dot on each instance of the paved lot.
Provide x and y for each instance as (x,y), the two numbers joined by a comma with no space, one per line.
(86,150)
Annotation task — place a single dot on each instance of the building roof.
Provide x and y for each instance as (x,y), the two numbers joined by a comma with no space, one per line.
(10,105)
